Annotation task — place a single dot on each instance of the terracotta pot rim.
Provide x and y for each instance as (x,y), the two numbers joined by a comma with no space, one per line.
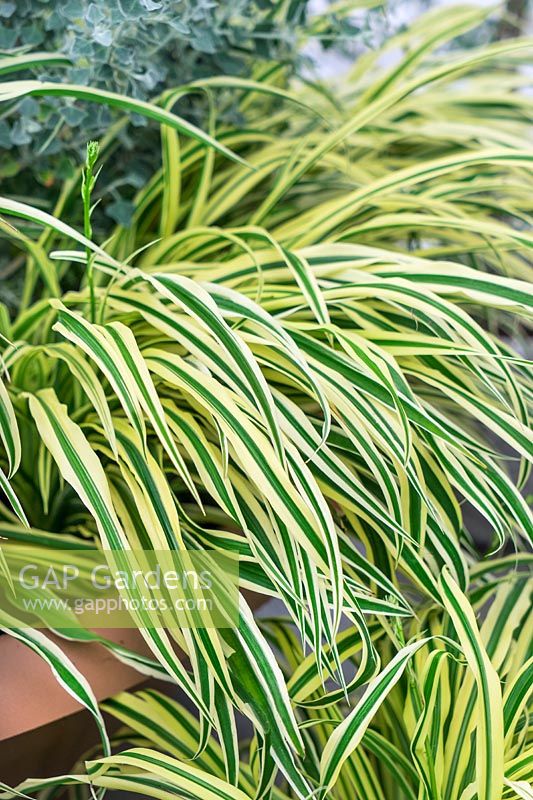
(30,695)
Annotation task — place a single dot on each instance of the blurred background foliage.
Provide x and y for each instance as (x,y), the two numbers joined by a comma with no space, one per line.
(140,48)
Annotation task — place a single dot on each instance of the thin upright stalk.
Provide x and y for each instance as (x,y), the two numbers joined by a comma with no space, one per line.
(88,181)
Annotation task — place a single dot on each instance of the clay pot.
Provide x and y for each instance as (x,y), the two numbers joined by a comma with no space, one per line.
(42,729)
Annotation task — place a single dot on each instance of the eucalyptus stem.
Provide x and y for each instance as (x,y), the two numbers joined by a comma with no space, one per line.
(88,181)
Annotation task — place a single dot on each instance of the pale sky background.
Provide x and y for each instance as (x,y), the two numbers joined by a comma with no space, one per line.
(398,13)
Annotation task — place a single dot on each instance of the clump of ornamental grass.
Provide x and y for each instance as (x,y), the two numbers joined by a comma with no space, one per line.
(300,352)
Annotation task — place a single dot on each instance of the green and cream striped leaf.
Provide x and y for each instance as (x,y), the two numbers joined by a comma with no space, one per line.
(114,100)
(349,733)
(157,774)
(490,733)
(9,432)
